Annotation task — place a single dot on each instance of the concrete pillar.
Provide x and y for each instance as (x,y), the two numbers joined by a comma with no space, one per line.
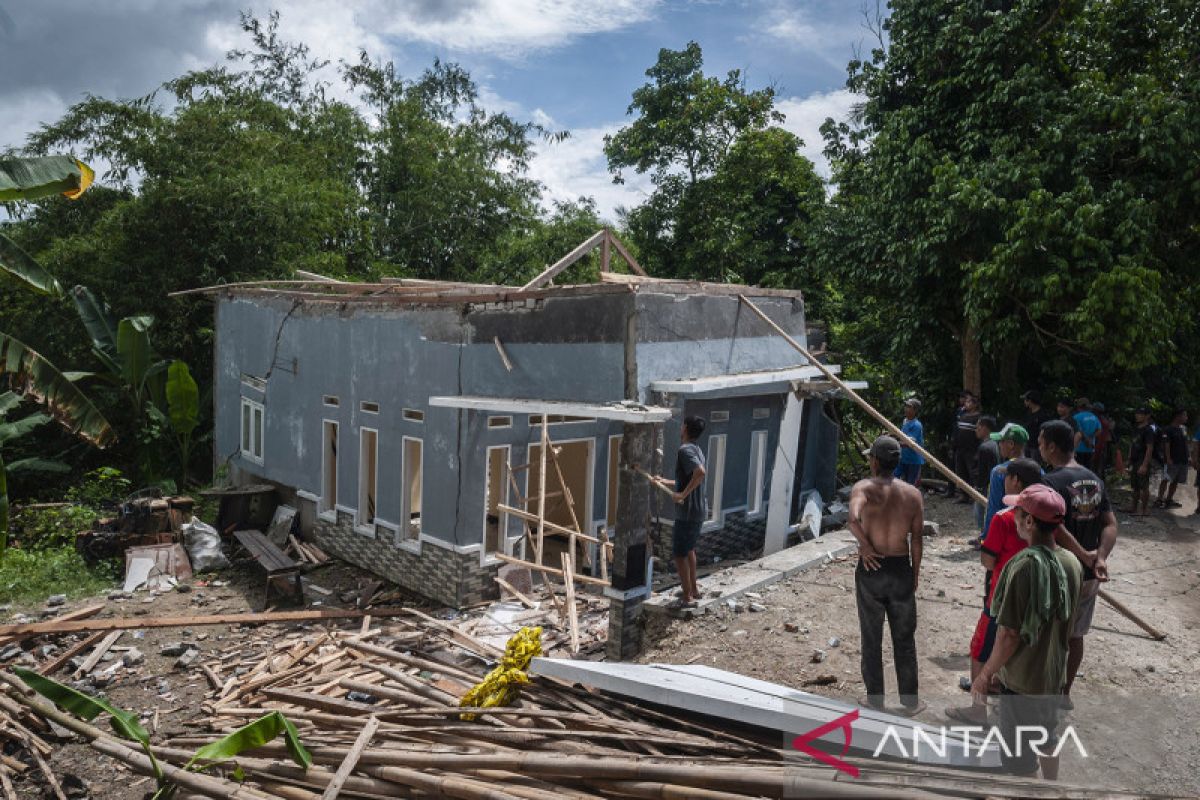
(631,543)
(783,477)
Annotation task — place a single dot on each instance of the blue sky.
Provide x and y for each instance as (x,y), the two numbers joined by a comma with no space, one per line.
(565,63)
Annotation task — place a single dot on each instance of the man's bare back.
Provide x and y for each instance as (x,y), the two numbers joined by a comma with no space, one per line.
(886,511)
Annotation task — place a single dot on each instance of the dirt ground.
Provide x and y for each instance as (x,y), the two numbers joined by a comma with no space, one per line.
(1136,699)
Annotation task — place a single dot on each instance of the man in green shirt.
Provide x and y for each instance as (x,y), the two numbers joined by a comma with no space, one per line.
(1035,598)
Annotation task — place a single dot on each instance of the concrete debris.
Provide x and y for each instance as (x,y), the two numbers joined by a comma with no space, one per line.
(56,600)
(817,656)
(174,649)
(791,627)
(757,607)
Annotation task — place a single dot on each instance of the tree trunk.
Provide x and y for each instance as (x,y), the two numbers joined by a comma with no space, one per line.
(972,377)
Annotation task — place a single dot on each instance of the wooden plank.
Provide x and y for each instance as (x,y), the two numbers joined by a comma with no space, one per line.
(504,359)
(92,660)
(541,506)
(351,760)
(549,570)
(545,276)
(136,623)
(508,587)
(1120,608)
(553,527)
(82,613)
(606,252)
(604,545)
(55,664)
(625,254)
(568,566)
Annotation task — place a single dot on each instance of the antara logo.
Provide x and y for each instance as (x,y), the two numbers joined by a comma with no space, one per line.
(971,741)
(844,722)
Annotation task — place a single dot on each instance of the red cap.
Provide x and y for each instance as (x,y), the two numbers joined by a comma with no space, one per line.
(1039,500)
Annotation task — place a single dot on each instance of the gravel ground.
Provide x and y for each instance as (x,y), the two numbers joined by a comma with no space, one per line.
(1137,702)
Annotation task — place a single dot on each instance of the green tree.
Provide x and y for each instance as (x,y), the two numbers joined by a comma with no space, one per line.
(1018,192)
(733,197)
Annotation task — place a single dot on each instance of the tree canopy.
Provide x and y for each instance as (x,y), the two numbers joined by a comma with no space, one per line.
(1018,195)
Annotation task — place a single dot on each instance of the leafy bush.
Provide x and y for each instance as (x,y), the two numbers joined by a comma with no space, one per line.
(38,529)
(28,576)
(101,488)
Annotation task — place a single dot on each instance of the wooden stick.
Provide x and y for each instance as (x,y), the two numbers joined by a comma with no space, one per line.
(82,613)
(263,618)
(549,570)
(508,587)
(97,654)
(568,565)
(891,428)
(603,551)
(55,786)
(503,355)
(9,792)
(55,664)
(541,512)
(525,515)
(351,761)
(1155,633)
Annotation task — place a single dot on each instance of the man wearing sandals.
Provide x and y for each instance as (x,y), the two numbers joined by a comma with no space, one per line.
(887,517)
(691,508)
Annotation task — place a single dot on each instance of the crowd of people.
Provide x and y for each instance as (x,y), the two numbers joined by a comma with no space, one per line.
(1045,536)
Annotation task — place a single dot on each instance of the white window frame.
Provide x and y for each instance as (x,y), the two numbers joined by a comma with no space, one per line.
(327,506)
(715,477)
(506,543)
(756,481)
(582,510)
(403,537)
(368,407)
(413,415)
(719,416)
(251,435)
(360,523)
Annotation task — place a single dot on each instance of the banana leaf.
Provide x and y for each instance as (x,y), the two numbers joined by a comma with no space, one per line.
(21,267)
(100,323)
(31,178)
(183,399)
(31,375)
(45,465)
(256,734)
(9,401)
(84,706)
(133,345)
(18,428)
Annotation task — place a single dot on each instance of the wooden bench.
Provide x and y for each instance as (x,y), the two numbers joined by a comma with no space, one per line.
(274,561)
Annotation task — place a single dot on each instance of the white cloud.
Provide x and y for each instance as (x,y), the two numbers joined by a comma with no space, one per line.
(506,28)
(805,115)
(576,167)
(831,37)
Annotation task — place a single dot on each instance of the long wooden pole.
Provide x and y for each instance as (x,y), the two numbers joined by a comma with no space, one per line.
(541,512)
(134,623)
(899,434)
(891,428)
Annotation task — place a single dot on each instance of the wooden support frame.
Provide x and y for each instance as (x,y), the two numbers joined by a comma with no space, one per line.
(604,239)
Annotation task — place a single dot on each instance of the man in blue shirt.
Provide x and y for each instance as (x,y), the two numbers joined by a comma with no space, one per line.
(909,468)
(1087,425)
(1011,440)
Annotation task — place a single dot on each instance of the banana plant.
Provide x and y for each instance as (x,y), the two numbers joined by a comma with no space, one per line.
(29,374)
(262,730)
(123,347)
(183,410)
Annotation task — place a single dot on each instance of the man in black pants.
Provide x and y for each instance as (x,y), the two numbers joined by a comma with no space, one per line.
(965,442)
(886,517)
(691,507)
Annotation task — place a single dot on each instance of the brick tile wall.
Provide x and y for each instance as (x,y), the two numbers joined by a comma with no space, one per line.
(439,573)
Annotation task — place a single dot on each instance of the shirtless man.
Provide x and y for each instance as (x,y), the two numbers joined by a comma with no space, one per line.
(886,517)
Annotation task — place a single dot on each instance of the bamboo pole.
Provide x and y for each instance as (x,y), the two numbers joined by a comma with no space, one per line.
(1121,608)
(891,428)
(541,512)
(971,491)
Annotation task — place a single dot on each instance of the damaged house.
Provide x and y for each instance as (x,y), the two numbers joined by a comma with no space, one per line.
(405,419)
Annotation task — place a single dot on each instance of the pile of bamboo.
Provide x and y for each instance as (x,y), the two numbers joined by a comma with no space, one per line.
(378,709)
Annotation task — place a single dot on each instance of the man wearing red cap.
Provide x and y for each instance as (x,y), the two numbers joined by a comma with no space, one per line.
(1035,597)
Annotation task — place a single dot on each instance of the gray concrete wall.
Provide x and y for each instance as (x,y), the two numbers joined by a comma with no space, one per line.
(561,349)
(695,336)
